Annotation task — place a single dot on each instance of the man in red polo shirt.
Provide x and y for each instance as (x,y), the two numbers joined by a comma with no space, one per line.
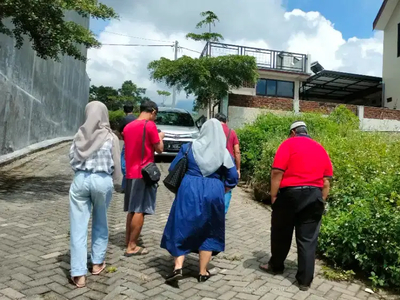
(299,187)
(140,198)
(232,144)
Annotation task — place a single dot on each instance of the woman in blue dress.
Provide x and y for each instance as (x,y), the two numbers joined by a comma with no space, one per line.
(196,221)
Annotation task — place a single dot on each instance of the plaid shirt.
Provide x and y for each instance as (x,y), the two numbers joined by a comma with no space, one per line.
(97,162)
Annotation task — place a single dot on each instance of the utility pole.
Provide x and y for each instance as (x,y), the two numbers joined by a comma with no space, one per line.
(173,88)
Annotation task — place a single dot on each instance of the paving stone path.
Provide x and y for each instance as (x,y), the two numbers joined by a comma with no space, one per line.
(34,246)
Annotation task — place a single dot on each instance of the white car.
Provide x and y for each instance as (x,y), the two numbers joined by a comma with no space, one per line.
(179,128)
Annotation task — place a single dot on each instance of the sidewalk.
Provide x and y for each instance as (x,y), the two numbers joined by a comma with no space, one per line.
(34,246)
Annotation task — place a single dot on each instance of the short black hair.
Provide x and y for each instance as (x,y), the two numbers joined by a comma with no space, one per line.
(128,107)
(148,106)
(220,117)
(301,130)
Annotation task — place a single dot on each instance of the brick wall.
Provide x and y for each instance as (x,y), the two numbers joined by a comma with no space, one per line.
(322,107)
(381,113)
(272,103)
(285,104)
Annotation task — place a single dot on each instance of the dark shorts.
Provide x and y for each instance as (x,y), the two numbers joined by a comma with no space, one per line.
(139,197)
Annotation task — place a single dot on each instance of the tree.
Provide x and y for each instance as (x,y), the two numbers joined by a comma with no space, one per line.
(208,78)
(165,94)
(43,22)
(210,19)
(115,99)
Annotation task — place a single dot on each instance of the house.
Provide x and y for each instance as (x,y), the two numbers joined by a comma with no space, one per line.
(280,74)
(286,85)
(388,21)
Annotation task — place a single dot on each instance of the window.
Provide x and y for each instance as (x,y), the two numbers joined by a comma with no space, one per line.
(275,88)
(271,87)
(398,40)
(174,119)
(261,87)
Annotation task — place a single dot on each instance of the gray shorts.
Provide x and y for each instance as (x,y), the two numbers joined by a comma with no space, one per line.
(139,197)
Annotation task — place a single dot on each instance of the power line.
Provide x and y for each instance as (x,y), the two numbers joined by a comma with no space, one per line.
(136,37)
(190,50)
(137,45)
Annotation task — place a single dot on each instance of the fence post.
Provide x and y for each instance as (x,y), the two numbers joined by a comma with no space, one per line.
(360,114)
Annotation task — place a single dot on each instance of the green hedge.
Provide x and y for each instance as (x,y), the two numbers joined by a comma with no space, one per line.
(361,229)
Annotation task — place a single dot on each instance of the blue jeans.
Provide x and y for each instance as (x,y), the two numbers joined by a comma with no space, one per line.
(228,197)
(87,190)
(123,168)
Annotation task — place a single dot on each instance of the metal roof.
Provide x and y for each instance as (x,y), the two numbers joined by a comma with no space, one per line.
(340,86)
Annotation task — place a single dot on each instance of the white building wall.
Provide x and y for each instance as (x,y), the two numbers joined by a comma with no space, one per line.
(391,63)
(240,116)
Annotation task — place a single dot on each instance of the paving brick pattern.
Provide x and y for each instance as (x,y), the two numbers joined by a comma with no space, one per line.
(34,247)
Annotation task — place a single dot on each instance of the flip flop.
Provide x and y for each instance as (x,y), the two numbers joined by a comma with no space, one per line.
(141,251)
(77,284)
(101,269)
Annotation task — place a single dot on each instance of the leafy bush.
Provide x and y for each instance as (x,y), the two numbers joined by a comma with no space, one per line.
(115,117)
(361,229)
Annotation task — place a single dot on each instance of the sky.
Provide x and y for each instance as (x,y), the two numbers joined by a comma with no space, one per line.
(338,34)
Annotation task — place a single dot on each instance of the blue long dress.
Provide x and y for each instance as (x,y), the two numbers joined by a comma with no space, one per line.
(197,217)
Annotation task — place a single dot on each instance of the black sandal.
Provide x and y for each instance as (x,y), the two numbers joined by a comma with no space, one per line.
(176,274)
(203,278)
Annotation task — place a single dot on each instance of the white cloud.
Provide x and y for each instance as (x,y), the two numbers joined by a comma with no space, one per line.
(256,23)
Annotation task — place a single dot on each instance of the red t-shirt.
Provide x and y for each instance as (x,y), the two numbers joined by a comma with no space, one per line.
(304,161)
(133,135)
(233,139)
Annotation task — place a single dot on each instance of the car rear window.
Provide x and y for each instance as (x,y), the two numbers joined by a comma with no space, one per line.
(174,119)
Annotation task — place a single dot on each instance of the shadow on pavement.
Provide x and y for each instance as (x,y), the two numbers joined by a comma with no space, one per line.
(33,187)
(262,257)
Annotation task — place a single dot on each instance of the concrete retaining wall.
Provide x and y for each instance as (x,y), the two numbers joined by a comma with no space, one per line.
(39,100)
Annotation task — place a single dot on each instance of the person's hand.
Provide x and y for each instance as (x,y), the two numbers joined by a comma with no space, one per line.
(273,199)
(161,135)
(238,173)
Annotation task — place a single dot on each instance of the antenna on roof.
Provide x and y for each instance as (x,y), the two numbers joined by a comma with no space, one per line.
(316,67)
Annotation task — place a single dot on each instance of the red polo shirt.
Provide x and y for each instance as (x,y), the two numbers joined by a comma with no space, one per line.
(304,162)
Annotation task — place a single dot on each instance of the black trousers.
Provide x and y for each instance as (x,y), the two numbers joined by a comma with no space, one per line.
(302,209)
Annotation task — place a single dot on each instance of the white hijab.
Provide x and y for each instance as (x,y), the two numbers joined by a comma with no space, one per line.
(209,149)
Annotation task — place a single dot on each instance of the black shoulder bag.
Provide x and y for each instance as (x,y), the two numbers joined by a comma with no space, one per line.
(175,177)
(151,174)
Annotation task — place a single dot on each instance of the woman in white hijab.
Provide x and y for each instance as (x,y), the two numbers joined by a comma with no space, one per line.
(196,222)
(95,158)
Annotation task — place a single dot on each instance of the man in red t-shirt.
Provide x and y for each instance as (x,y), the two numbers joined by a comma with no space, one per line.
(300,182)
(232,144)
(140,199)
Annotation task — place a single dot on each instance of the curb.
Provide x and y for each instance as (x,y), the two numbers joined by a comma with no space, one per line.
(18,154)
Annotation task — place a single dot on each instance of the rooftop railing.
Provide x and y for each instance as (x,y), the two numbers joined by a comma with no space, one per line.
(265,58)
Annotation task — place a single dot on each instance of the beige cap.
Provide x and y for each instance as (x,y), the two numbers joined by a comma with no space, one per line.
(297,124)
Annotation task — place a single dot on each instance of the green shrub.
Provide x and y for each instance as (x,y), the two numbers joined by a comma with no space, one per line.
(364,236)
(115,117)
(362,227)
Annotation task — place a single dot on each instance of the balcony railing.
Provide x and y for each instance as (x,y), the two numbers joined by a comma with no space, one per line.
(265,58)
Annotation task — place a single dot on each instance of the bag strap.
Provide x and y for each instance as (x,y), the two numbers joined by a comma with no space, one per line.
(143,141)
(188,149)
(229,135)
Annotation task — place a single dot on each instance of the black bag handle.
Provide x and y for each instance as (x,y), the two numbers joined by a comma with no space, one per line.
(143,140)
